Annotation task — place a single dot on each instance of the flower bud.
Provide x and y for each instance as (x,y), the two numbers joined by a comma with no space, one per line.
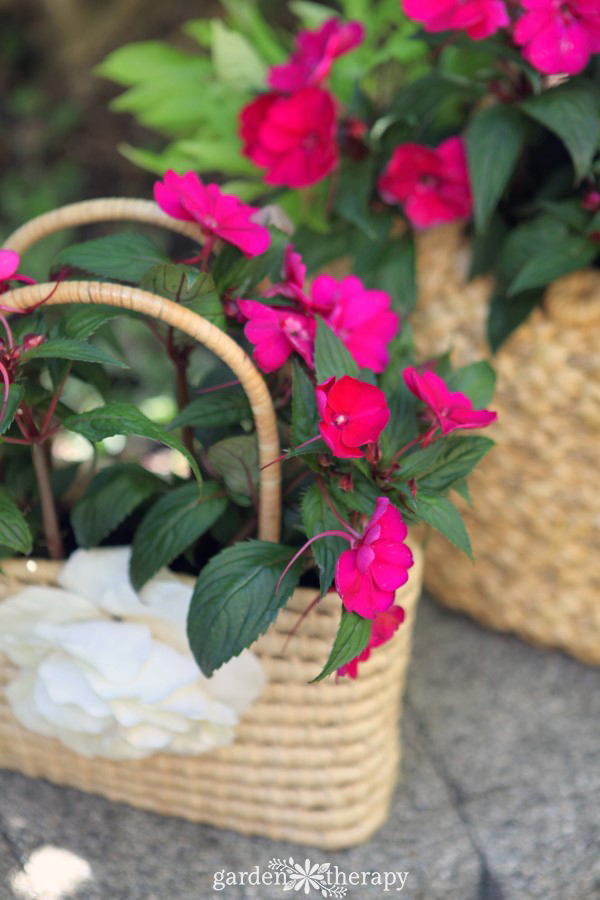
(345,483)
(373,453)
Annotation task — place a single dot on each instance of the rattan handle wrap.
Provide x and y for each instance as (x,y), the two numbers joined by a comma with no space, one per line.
(110,209)
(206,333)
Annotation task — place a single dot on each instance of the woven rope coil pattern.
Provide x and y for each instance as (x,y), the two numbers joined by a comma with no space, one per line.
(535,525)
(312,764)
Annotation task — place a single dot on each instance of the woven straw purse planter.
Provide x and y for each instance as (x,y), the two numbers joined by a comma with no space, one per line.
(535,525)
(313,764)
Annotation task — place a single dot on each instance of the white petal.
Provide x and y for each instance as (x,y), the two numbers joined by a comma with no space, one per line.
(148,737)
(65,715)
(65,683)
(116,649)
(163,671)
(91,573)
(195,703)
(21,613)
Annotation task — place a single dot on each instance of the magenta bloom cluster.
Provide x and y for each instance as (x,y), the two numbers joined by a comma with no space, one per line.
(291,131)
(219,215)
(558,37)
(362,319)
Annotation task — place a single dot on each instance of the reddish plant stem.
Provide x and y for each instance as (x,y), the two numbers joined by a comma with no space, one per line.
(54,402)
(29,420)
(286,454)
(20,441)
(406,447)
(22,429)
(217,387)
(329,502)
(49,515)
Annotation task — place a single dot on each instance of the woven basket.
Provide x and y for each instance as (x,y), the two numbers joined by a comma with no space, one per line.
(313,764)
(535,525)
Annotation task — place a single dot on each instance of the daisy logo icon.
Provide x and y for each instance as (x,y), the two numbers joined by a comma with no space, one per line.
(305,878)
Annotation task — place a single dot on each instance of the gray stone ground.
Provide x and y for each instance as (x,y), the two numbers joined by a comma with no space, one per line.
(499,798)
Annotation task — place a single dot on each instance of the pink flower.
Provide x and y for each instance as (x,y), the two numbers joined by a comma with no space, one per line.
(362,319)
(219,215)
(276,332)
(448,410)
(9,263)
(385,625)
(591,201)
(559,36)
(368,575)
(293,274)
(314,54)
(353,413)
(479,18)
(432,184)
(292,137)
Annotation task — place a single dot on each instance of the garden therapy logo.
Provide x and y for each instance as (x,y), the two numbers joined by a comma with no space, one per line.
(307,877)
(322,878)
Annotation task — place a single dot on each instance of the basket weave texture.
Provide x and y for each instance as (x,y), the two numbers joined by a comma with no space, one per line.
(535,525)
(313,764)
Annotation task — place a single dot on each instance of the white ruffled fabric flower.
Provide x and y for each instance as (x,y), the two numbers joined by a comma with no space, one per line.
(108,671)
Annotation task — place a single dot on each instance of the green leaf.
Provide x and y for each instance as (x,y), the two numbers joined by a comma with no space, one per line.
(217,408)
(402,355)
(390,265)
(462,489)
(402,427)
(247,17)
(524,242)
(126,419)
(124,257)
(495,138)
(350,641)
(232,271)
(235,459)
(331,357)
(571,112)
(111,497)
(421,99)
(445,518)
(138,62)
(363,496)
(235,61)
(14,531)
(311,15)
(305,416)
(173,523)
(185,285)
(507,313)
(354,193)
(15,393)
(235,600)
(477,381)
(438,466)
(65,348)
(200,30)
(317,517)
(81,322)
(553,260)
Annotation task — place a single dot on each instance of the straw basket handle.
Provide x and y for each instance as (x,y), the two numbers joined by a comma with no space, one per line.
(124,297)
